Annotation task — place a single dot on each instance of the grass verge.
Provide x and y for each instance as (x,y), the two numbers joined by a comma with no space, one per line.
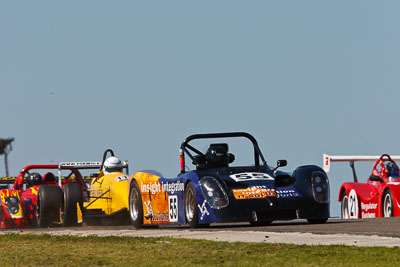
(35,250)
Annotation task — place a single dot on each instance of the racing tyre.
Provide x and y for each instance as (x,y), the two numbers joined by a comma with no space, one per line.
(191,211)
(387,204)
(48,205)
(344,205)
(135,205)
(72,195)
(317,221)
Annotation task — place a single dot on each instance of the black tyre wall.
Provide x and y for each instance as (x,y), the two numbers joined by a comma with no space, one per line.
(137,222)
(49,203)
(72,195)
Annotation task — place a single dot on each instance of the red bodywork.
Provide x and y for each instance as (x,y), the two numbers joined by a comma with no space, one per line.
(18,205)
(365,200)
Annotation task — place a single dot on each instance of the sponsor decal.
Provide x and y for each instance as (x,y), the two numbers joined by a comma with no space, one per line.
(80,164)
(283,193)
(367,215)
(172,187)
(369,206)
(121,178)
(160,217)
(156,187)
(153,188)
(155,217)
(254,192)
(96,191)
(248,176)
(149,214)
(203,210)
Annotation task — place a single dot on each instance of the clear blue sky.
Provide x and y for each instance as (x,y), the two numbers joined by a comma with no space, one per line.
(304,77)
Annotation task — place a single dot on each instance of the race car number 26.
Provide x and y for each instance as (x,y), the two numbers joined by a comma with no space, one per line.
(173,208)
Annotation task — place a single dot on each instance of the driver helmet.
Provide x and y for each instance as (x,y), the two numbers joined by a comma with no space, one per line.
(112,164)
(392,169)
(34,179)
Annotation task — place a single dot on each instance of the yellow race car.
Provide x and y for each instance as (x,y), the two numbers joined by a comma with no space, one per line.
(104,196)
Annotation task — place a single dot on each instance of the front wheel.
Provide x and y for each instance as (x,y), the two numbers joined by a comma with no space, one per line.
(72,197)
(191,211)
(344,204)
(387,204)
(48,205)
(135,206)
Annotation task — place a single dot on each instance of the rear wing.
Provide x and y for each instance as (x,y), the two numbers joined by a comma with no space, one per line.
(86,165)
(327,159)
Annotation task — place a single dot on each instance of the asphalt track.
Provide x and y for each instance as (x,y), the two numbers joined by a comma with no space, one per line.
(365,232)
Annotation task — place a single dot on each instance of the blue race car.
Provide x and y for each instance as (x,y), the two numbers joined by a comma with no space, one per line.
(218,192)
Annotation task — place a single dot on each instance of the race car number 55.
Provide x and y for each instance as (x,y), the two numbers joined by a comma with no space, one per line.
(173,208)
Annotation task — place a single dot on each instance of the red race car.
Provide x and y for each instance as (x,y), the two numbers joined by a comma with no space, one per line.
(378,197)
(41,199)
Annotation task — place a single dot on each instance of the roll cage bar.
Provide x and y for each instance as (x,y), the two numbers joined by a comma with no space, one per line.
(185,147)
(21,176)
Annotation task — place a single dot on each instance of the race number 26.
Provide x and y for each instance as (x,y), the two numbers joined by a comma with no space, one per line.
(173,208)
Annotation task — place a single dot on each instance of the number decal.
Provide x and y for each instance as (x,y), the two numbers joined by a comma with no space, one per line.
(173,208)
(121,178)
(247,176)
(353,204)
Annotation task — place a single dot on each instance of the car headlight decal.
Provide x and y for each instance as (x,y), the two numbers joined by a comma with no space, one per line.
(213,192)
(320,186)
(12,205)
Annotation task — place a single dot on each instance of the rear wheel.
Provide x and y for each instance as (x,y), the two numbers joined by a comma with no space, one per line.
(135,205)
(344,201)
(191,211)
(72,196)
(48,205)
(387,204)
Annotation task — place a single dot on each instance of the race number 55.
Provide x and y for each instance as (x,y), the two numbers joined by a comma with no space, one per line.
(173,208)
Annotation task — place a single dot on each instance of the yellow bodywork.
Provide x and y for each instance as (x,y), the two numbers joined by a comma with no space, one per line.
(108,193)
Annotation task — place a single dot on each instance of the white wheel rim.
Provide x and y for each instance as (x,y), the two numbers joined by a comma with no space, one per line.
(189,204)
(387,206)
(134,204)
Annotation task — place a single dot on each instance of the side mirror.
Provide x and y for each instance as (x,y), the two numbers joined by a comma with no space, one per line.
(280,163)
(375,178)
(95,175)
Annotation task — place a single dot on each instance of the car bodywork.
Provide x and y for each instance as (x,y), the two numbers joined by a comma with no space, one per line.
(65,200)
(105,196)
(217,192)
(20,206)
(379,196)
